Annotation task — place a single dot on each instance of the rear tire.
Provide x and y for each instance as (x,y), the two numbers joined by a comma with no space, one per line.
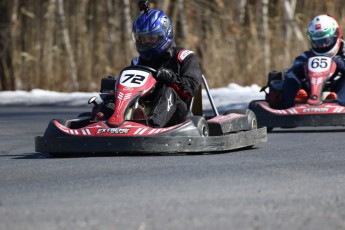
(202,126)
(252,121)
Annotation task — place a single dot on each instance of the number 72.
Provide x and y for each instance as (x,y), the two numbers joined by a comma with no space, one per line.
(135,79)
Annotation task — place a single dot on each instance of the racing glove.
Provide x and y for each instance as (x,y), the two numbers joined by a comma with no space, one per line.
(166,76)
(340,63)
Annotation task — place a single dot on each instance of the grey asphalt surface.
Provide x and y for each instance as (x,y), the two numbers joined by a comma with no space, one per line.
(294,181)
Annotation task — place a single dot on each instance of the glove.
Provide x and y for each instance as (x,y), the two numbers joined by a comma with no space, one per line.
(340,63)
(166,76)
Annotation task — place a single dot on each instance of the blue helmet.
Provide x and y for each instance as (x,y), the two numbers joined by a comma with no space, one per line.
(152,33)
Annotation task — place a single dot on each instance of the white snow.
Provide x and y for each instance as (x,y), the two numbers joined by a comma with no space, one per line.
(232,96)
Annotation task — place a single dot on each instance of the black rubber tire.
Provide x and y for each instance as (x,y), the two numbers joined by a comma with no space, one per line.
(201,125)
(252,121)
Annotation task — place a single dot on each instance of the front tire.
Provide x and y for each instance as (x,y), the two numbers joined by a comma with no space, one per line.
(201,125)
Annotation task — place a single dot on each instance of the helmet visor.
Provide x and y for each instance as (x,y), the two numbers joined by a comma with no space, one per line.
(324,44)
(147,41)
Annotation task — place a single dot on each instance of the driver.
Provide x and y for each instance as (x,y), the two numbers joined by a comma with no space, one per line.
(178,73)
(325,39)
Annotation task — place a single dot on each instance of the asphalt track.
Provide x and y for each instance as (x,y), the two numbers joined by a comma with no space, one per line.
(294,181)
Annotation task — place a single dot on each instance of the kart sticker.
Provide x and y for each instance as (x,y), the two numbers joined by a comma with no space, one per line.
(113,131)
(306,109)
(122,98)
(140,131)
(133,78)
(85,132)
(316,110)
(183,54)
(319,64)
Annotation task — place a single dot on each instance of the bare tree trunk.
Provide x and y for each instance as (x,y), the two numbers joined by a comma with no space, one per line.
(5,66)
(15,54)
(47,77)
(254,46)
(289,7)
(291,27)
(288,32)
(127,30)
(183,22)
(174,15)
(164,5)
(66,39)
(266,35)
(242,5)
(82,48)
(6,79)
(112,23)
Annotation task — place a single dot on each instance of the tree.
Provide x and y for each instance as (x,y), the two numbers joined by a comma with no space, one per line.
(69,49)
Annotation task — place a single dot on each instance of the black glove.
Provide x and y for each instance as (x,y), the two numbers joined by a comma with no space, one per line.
(340,63)
(166,76)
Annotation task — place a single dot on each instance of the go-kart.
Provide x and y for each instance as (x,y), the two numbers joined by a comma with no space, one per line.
(126,132)
(316,110)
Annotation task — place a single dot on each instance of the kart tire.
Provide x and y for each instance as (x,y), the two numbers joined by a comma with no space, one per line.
(252,121)
(201,125)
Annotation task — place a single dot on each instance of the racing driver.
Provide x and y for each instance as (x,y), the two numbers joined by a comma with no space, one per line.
(325,39)
(178,72)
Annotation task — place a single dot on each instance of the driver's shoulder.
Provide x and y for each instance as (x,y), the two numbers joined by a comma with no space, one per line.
(183,54)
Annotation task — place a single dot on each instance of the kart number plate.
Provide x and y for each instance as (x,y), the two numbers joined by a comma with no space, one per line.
(134,78)
(319,64)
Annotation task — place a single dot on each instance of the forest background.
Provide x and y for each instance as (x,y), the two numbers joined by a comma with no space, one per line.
(69,45)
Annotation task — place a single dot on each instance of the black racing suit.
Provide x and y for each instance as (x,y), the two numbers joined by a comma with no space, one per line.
(170,101)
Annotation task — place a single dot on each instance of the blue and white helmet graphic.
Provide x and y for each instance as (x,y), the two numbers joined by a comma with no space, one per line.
(152,33)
